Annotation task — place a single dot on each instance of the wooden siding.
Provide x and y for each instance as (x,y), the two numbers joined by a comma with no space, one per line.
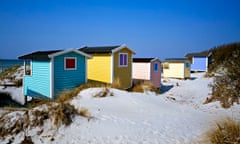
(38,84)
(68,79)
(199,64)
(156,75)
(99,68)
(124,74)
(187,70)
(141,71)
(174,70)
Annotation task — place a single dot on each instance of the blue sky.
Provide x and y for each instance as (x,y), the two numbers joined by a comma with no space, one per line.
(152,28)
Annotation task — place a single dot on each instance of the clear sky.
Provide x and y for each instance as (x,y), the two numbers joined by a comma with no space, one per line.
(152,28)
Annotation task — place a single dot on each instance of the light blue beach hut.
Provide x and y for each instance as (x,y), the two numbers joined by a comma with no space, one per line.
(199,61)
(52,72)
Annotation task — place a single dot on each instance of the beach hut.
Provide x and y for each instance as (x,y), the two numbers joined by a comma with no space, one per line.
(176,68)
(52,72)
(110,64)
(199,61)
(147,69)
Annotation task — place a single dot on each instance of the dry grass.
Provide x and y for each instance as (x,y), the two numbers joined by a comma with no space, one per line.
(116,84)
(104,93)
(7,73)
(226,131)
(85,113)
(57,113)
(27,140)
(68,95)
(145,86)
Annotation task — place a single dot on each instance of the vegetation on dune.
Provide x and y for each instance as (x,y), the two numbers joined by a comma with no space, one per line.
(144,87)
(226,131)
(23,121)
(226,87)
(8,73)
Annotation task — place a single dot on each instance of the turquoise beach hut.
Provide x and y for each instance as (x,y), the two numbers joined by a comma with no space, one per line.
(52,72)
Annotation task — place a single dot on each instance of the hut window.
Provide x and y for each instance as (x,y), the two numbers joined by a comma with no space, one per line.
(70,63)
(165,66)
(28,67)
(155,67)
(123,60)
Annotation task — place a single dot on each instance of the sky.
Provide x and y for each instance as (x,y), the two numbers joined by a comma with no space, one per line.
(152,28)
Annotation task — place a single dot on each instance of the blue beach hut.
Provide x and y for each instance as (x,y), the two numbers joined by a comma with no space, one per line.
(199,61)
(52,72)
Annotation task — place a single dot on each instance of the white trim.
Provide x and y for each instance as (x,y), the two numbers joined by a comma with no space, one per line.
(119,60)
(155,59)
(52,78)
(193,60)
(131,71)
(86,70)
(23,86)
(122,47)
(149,72)
(65,58)
(206,63)
(112,69)
(67,51)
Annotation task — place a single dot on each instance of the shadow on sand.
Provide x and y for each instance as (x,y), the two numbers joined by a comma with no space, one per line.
(6,100)
(165,88)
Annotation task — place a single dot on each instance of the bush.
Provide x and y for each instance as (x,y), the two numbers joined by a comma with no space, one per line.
(225,132)
(226,88)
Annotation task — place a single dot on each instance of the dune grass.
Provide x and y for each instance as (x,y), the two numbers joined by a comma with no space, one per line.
(145,86)
(8,72)
(227,131)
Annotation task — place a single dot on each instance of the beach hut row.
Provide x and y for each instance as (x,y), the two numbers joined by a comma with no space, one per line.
(182,67)
(52,72)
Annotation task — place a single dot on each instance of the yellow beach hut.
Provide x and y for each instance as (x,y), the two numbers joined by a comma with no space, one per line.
(109,64)
(176,68)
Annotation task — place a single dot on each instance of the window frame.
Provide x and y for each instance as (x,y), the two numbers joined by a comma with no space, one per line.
(155,65)
(125,63)
(165,65)
(65,63)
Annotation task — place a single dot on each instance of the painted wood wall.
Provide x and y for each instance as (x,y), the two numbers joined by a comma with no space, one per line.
(141,71)
(38,84)
(156,75)
(174,70)
(99,68)
(124,74)
(68,79)
(199,64)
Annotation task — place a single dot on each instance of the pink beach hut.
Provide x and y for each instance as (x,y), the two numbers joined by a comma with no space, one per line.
(147,69)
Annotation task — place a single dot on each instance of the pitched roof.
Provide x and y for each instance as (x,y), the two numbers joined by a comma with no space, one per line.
(175,60)
(39,54)
(103,49)
(197,54)
(142,60)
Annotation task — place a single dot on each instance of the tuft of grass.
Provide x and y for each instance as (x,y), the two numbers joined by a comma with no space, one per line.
(226,131)
(27,140)
(7,73)
(58,113)
(116,84)
(85,113)
(104,93)
(69,94)
(145,86)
